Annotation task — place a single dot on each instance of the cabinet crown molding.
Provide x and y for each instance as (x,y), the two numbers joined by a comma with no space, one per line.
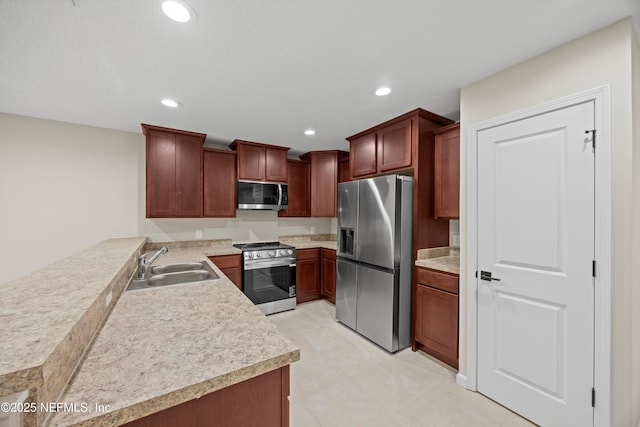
(146,127)
(237,142)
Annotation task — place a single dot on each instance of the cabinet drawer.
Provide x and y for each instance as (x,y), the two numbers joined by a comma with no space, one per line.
(308,254)
(226,261)
(443,281)
(328,254)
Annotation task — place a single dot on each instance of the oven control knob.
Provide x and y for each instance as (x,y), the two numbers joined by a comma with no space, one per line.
(249,255)
(289,252)
(258,255)
(272,253)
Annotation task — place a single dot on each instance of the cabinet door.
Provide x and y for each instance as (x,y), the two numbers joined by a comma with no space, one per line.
(219,183)
(188,176)
(234,274)
(230,266)
(324,184)
(307,275)
(329,275)
(447,174)
(298,177)
(251,162)
(394,147)
(362,155)
(344,174)
(161,174)
(276,165)
(436,323)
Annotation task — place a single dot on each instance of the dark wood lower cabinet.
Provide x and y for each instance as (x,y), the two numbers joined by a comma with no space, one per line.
(259,401)
(435,323)
(329,274)
(307,275)
(230,266)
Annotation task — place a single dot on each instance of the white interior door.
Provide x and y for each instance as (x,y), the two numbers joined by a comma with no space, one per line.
(536,235)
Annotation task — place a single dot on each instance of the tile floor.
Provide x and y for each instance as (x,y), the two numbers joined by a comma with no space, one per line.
(344,380)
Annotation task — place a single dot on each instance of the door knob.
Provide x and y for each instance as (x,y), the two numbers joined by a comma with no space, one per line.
(486,275)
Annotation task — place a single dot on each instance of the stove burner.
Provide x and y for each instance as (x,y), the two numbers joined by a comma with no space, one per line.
(261,245)
(254,252)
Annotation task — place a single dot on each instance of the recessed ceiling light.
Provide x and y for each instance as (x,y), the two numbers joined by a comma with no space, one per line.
(383,91)
(309,132)
(170,103)
(177,10)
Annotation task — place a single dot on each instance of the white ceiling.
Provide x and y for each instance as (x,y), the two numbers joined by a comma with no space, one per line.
(267,70)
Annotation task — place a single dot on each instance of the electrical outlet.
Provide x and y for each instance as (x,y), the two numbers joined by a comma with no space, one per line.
(455,240)
(198,234)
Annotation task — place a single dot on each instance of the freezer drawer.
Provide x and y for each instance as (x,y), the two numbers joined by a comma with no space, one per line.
(377,317)
(346,292)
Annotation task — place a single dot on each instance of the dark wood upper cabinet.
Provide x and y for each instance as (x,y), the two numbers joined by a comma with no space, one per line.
(219,198)
(344,172)
(405,145)
(362,155)
(276,165)
(298,180)
(394,147)
(384,150)
(174,172)
(324,181)
(260,162)
(447,172)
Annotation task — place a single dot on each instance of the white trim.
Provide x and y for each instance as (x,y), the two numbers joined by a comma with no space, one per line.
(603,234)
(461,380)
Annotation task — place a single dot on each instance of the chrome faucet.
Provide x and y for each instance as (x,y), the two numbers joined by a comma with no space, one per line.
(144,264)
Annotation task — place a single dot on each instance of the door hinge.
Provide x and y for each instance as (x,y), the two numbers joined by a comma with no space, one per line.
(593,397)
(593,268)
(476,274)
(593,138)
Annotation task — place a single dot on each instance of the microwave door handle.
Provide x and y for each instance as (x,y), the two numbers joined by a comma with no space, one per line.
(279,194)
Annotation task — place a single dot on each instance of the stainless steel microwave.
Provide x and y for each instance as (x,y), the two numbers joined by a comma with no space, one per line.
(262,195)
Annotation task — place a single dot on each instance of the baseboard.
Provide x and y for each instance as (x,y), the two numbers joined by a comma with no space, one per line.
(461,380)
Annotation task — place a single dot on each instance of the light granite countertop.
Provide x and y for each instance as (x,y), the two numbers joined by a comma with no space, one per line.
(443,259)
(327,241)
(157,348)
(164,346)
(50,316)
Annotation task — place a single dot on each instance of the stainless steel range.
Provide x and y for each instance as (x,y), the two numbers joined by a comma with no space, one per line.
(269,275)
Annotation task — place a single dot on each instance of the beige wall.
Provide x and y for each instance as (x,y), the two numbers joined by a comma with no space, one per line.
(635,304)
(64,187)
(603,57)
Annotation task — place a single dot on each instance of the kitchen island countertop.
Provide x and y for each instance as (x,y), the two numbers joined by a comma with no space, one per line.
(157,347)
(164,346)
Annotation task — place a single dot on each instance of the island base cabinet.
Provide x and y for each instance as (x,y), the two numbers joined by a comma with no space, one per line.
(260,401)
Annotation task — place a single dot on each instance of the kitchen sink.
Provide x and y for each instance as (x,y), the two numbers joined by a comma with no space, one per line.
(174,268)
(173,274)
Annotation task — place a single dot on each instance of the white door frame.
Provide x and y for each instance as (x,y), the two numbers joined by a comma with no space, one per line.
(602,351)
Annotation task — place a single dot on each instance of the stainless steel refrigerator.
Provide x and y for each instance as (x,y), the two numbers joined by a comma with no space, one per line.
(373,284)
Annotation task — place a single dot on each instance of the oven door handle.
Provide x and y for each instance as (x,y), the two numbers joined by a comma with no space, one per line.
(266,264)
